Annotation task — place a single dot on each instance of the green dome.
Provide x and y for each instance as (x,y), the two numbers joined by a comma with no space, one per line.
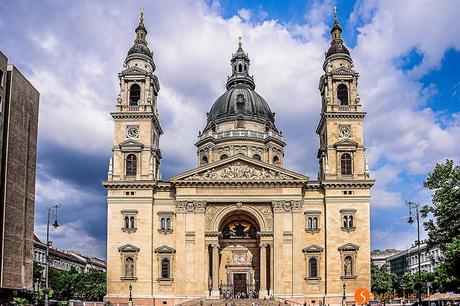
(241,100)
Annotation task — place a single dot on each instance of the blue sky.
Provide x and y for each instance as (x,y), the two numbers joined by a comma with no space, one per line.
(407,54)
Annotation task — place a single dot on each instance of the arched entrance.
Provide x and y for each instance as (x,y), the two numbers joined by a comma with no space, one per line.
(239,268)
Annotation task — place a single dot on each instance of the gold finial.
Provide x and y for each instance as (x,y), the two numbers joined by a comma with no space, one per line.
(335,12)
(239,42)
(142,14)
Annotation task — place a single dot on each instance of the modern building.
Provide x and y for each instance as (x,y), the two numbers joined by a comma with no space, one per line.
(240,222)
(407,260)
(379,258)
(19,125)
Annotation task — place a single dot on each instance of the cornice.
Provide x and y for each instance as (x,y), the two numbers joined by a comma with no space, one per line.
(338,115)
(241,138)
(242,184)
(359,184)
(129,184)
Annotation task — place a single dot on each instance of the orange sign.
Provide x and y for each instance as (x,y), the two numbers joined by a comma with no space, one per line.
(362,296)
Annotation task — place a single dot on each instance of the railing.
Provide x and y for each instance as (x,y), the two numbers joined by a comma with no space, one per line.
(345,108)
(240,133)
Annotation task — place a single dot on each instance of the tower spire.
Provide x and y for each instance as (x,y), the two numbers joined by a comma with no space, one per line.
(240,68)
(140,42)
(336,38)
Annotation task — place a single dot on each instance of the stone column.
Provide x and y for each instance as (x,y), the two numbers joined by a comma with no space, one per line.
(272,266)
(215,271)
(263,271)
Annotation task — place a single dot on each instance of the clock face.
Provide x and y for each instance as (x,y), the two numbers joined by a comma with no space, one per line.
(344,131)
(133,132)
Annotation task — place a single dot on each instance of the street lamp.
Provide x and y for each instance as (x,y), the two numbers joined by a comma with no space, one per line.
(415,206)
(344,297)
(55,225)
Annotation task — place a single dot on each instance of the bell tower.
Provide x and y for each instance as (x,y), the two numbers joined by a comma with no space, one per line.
(136,150)
(342,153)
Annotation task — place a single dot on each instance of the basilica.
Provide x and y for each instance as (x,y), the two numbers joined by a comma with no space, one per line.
(239,224)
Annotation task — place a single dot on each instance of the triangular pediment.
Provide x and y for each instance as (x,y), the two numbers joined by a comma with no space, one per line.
(131,145)
(343,70)
(346,143)
(134,71)
(128,248)
(349,247)
(165,249)
(312,249)
(239,168)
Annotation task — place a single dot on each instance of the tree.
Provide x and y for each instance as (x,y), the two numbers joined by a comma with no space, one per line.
(447,273)
(92,286)
(382,281)
(444,182)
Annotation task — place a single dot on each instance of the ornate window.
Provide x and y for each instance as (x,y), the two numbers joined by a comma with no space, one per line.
(204,160)
(128,257)
(276,160)
(348,219)
(166,225)
(342,94)
(345,164)
(312,221)
(256,157)
(313,267)
(129,220)
(165,263)
(348,254)
(134,94)
(165,268)
(131,165)
(312,259)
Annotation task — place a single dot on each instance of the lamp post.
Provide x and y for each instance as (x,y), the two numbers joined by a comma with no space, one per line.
(344,297)
(55,224)
(130,299)
(415,206)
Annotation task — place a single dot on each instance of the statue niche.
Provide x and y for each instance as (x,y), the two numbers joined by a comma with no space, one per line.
(239,230)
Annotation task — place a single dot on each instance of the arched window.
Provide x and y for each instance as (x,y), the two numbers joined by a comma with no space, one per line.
(313,267)
(126,222)
(204,160)
(350,221)
(342,94)
(240,68)
(345,221)
(276,160)
(223,156)
(134,94)
(310,223)
(131,164)
(345,164)
(131,223)
(348,266)
(165,268)
(315,223)
(163,223)
(168,223)
(129,267)
(245,67)
(256,157)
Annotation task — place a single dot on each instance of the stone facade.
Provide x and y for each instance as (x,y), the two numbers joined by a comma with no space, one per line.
(239,223)
(18,181)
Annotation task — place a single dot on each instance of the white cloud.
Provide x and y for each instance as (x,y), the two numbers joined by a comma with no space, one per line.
(245,14)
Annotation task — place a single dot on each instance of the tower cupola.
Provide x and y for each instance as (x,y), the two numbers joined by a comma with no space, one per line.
(240,69)
(337,45)
(140,43)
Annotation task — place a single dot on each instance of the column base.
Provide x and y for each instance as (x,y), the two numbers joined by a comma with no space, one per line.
(263,294)
(215,294)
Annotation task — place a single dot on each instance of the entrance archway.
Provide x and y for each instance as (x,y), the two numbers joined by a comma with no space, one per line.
(239,268)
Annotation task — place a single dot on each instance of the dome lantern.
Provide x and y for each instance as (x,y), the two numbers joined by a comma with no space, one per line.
(240,69)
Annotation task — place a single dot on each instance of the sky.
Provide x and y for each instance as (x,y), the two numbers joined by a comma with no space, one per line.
(406,52)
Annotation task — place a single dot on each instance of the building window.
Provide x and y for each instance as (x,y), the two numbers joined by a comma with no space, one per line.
(240,120)
(166,224)
(312,221)
(276,160)
(345,164)
(342,94)
(204,160)
(256,157)
(129,220)
(165,268)
(348,254)
(313,267)
(134,94)
(348,219)
(223,156)
(240,68)
(131,165)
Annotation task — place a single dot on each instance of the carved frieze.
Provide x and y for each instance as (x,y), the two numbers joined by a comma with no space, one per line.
(190,207)
(287,206)
(239,170)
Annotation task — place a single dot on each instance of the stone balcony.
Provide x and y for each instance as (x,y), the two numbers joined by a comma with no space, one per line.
(239,134)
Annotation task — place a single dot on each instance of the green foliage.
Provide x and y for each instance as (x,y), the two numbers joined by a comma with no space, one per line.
(37,271)
(447,273)
(444,182)
(411,282)
(19,301)
(89,286)
(382,281)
